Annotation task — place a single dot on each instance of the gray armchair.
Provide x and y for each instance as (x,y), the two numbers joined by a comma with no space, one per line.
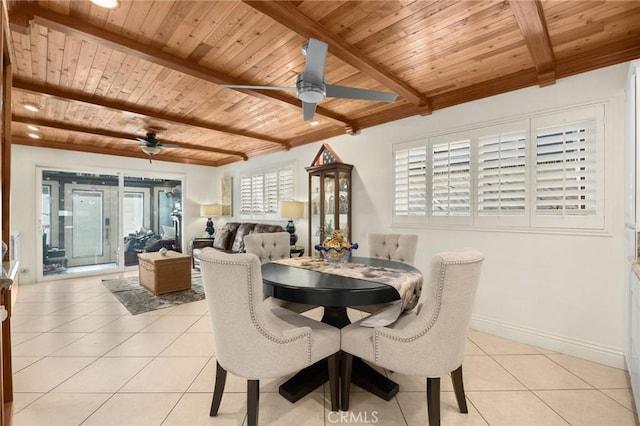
(428,341)
(253,340)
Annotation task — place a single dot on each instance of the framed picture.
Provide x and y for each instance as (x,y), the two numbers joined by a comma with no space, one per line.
(227,196)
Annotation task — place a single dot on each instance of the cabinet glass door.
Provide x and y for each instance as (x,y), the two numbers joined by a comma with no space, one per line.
(344,203)
(330,222)
(316,206)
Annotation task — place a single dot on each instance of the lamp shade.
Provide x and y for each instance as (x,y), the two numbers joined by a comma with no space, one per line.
(209,210)
(291,209)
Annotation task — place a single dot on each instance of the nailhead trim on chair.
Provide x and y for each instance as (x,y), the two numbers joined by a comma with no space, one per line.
(254,318)
(380,332)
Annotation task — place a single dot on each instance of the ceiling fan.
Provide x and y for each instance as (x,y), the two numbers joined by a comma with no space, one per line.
(310,85)
(152,146)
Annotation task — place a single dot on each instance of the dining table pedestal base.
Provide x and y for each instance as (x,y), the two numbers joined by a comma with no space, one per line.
(363,375)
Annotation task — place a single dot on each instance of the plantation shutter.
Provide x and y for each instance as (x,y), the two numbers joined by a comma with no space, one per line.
(501,174)
(566,172)
(271,192)
(285,184)
(451,178)
(410,175)
(245,196)
(261,193)
(257,195)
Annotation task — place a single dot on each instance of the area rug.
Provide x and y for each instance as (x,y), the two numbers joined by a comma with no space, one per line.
(139,300)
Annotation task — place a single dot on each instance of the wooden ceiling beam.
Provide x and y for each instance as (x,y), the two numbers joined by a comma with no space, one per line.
(120,135)
(76,28)
(70,96)
(287,14)
(530,19)
(163,156)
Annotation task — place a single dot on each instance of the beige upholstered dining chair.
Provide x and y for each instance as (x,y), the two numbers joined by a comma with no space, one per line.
(273,246)
(268,246)
(397,247)
(251,338)
(428,341)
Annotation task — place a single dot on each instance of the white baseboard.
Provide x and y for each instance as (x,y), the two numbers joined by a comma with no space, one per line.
(607,355)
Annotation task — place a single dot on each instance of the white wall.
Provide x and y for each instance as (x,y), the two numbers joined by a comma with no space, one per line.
(561,292)
(200,187)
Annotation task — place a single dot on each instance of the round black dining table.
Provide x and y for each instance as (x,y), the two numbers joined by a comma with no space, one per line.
(335,293)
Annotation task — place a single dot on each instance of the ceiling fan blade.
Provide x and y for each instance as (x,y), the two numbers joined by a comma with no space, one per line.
(167,145)
(355,93)
(308,109)
(245,86)
(316,57)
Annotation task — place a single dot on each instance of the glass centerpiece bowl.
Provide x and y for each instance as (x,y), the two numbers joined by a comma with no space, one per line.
(336,249)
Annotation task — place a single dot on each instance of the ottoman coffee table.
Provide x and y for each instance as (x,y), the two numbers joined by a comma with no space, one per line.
(161,274)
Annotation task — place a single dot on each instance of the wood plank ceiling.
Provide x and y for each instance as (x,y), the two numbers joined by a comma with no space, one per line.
(103,77)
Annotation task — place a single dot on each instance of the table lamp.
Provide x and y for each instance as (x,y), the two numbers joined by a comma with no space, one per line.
(292,210)
(209,211)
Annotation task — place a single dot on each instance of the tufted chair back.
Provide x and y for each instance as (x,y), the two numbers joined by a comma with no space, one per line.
(268,246)
(273,246)
(398,247)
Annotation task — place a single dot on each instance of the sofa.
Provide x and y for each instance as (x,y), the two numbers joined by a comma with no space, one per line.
(230,238)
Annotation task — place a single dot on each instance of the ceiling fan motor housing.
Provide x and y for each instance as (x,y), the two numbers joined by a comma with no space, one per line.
(309,92)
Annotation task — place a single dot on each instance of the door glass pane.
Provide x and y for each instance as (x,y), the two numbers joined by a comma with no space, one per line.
(87,218)
(133,209)
(46,213)
(152,210)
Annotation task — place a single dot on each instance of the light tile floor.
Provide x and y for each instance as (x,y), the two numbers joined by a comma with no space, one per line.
(79,358)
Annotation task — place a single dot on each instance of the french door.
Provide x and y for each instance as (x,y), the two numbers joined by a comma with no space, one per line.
(91,224)
(98,222)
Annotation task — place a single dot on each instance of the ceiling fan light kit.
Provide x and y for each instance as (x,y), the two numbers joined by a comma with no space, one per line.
(151,150)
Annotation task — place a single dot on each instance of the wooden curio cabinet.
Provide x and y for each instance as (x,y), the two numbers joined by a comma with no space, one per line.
(329,197)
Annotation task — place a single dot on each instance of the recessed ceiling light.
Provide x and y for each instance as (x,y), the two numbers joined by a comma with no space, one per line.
(314,123)
(109,4)
(33,136)
(31,107)
(32,127)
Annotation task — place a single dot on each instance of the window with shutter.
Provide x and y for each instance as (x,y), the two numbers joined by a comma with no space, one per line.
(271,192)
(451,178)
(261,192)
(567,164)
(245,196)
(285,184)
(410,174)
(541,172)
(502,176)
